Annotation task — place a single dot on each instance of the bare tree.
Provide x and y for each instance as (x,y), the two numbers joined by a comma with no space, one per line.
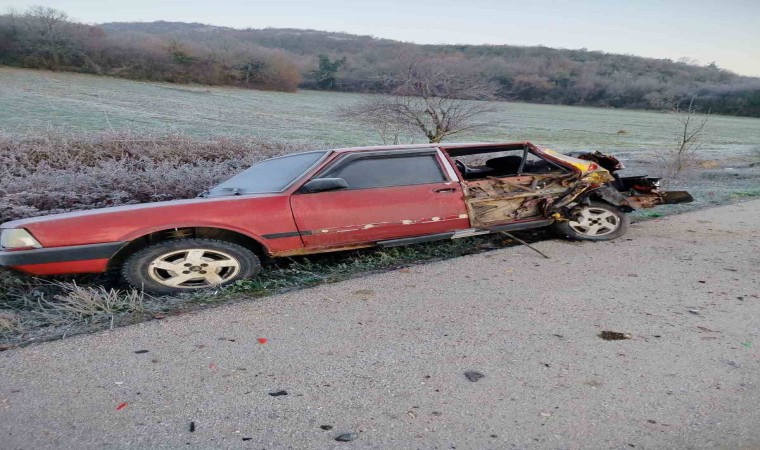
(50,39)
(435,97)
(692,126)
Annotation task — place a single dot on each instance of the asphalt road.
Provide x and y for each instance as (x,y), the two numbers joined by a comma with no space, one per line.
(384,356)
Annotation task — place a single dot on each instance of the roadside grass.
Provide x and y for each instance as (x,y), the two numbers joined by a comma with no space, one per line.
(319,269)
(747,193)
(35,310)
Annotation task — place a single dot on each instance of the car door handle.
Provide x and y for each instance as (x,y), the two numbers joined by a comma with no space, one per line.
(440,191)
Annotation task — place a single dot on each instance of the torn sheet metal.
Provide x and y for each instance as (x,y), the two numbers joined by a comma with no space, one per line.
(498,200)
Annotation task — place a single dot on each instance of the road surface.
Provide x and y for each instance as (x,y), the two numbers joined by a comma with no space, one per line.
(385,356)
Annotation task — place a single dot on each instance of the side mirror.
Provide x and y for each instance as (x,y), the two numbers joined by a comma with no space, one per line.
(324,184)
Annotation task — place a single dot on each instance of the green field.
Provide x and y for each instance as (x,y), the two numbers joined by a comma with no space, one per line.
(33,101)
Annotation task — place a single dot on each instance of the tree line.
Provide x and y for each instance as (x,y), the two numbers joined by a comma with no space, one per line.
(45,38)
(286,59)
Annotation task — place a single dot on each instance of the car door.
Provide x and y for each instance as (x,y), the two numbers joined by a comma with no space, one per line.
(390,194)
(520,196)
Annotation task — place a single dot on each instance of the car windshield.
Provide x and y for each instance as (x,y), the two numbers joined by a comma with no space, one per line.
(272,175)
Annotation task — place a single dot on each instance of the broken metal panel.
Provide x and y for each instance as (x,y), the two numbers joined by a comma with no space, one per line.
(497,200)
(673,197)
(608,162)
(598,177)
(611,196)
(644,201)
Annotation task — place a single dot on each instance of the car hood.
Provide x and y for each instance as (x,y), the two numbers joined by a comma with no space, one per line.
(127,209)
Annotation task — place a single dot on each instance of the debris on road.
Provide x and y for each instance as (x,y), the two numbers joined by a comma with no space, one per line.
(364,294)
(707,330)
(141,351)
(121,406)
(278,393)
(192,427)
(347,437)
(473,375)
(263,340)
(326,427)
(614,336)
(515,238)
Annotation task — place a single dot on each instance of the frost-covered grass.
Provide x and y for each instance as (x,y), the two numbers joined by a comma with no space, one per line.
(53,172)
(32,101)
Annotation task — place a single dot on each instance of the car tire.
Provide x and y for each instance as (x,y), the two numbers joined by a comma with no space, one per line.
(183,265)
(597,221)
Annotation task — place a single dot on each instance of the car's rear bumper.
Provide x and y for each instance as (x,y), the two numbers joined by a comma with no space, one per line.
(61,260)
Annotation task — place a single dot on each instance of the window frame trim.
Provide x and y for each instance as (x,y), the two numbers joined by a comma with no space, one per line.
(349,158)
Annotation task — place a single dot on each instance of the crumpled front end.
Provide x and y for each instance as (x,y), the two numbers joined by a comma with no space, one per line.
(633,192)
(644,192)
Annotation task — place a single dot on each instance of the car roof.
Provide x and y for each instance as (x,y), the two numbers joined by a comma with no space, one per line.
(442,146)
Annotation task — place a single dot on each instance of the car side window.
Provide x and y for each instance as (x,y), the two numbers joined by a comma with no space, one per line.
(385,171)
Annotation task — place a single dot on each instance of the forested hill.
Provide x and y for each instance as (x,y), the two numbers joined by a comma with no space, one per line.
(286,59)
(531,74)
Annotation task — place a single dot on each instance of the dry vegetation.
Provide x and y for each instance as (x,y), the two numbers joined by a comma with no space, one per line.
(57,173)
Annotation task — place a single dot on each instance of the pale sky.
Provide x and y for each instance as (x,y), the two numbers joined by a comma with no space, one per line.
(727,31)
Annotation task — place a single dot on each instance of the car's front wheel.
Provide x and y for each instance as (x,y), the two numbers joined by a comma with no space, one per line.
(597,221)
(189,264)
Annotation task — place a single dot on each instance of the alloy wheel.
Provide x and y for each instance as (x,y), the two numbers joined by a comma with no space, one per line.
(193,268)
(595,221)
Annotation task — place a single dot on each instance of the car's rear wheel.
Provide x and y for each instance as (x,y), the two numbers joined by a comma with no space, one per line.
(189,264)
(597,221)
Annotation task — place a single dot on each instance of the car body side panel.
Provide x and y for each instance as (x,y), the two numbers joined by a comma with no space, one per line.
(254,216)
(86,266)
(367,215)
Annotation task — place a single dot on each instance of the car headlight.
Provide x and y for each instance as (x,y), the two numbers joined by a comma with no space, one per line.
(17,238)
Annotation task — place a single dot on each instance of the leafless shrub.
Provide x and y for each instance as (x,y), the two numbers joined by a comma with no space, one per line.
(437,98)
(684,155)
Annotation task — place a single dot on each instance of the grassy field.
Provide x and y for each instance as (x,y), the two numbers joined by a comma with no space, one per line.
(33,101)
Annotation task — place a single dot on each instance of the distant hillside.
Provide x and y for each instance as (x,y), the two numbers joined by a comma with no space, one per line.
(533,74)
(285,59)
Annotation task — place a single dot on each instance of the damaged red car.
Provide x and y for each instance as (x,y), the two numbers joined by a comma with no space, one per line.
(331,200)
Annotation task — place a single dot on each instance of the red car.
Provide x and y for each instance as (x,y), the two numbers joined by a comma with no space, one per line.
(330,200)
